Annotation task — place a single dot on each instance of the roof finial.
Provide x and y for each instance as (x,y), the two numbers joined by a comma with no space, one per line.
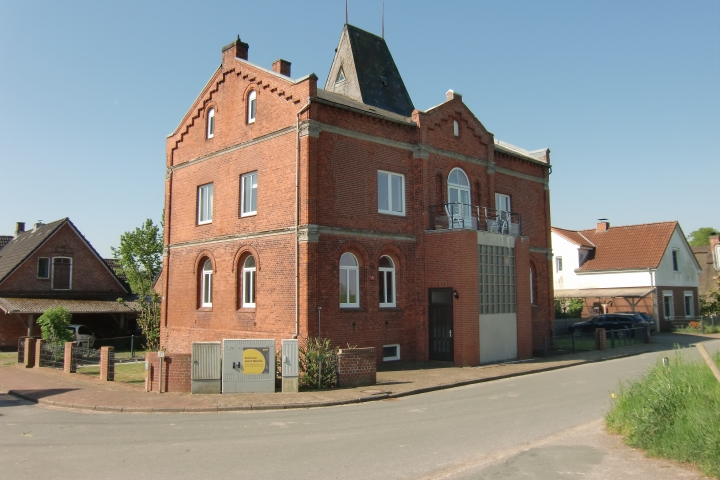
(383,21)
(346,12)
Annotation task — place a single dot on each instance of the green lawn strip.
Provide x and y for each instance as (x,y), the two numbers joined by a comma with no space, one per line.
(672,412)
(125,372)
(8,358)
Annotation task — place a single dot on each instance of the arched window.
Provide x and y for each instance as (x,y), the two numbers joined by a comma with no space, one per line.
(386,279)
(206,284)
(349,281)
(459,207)
(249,282)
(211,123)
(252,106)
(456,128)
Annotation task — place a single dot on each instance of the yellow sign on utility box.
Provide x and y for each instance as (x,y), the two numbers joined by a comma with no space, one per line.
(255,361)
(248,365)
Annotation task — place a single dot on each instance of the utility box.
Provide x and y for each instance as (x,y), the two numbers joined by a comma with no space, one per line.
(248,366)
(205,373)
(290,366)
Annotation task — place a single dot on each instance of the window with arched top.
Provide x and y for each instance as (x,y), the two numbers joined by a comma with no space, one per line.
(349,281)
(252,106)
(386,281)
(456,128)
(459,206)
(206,284)
(211,123)
(248,276)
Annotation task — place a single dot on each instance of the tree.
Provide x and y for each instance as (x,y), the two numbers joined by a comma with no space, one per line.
(701,236)
(140,259)
(54,325)
(710,303)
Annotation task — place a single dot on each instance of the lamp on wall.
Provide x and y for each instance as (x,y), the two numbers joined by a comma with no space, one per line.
(455,294)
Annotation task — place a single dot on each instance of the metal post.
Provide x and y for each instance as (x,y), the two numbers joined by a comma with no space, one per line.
(161,355)
(573,337)
(612,338)
(132,346)
(320,359)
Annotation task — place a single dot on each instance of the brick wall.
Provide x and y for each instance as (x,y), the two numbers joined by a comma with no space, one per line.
(176,372)
(12,327)
(356,367)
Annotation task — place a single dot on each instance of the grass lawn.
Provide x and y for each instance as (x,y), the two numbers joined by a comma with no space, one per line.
(124,372)
(672,412)
(8,358)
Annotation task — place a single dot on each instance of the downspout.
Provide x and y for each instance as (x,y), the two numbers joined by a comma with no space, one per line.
(297,218)
(166,251)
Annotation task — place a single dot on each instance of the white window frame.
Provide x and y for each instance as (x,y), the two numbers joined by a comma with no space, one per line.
(206,282)
(205,204)
(341,73)
(456,128)
(675,256)
(251,106)
(382,272)
(389,176)
(504,200)
(211,123)
(691,313)
(49,267)
(671,314)
(347,271)
(465,209)
(249,274)
(393,358)
(558,264)
(52,274)
(246,211)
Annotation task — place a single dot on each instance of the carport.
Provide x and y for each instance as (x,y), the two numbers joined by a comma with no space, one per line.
(605,296)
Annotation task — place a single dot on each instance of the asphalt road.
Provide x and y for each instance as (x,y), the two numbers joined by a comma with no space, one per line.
(486,430)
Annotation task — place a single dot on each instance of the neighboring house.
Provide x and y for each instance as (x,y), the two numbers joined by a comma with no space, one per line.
(648,268)
(54,265)
(4,240)
(708,256)
(347,213)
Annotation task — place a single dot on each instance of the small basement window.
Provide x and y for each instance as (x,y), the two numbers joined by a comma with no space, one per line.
(391,352)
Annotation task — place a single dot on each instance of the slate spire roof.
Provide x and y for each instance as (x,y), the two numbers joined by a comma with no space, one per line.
(364,70)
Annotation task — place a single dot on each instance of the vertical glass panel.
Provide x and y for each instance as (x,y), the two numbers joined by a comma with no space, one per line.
(389,287)
(352,287)
(343,285)
(383,193)
(396,193)
(253,199)
(381,283)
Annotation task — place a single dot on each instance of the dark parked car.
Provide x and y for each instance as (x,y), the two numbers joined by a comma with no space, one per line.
(610,321)
(647,318)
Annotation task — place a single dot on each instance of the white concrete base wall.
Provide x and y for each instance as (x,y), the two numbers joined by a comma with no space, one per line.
(498,337)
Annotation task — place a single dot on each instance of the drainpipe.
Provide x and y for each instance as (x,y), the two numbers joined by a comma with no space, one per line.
(297,219)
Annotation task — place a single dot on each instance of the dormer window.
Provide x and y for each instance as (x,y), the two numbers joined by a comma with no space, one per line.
(211,123)
(252,106)
(340,76)
(456,128)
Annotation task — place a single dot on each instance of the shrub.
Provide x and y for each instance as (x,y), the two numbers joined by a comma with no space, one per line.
(672,412)
(312,353)
(54,325)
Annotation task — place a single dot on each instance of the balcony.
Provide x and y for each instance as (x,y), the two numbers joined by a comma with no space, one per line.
(471,217)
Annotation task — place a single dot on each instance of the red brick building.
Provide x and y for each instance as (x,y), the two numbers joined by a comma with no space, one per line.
(345,212)
(54,265)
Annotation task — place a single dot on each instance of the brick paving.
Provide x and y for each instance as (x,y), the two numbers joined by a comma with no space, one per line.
(50,387)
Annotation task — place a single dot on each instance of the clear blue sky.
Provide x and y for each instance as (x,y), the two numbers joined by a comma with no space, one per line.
(625,94)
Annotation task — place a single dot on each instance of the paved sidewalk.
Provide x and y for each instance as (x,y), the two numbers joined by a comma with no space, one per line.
(78,391)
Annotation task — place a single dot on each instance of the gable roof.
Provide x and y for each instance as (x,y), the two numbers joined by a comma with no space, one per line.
(22,246)
(573,237)
(4,240)
(26,243)
(626,247)
(369,71)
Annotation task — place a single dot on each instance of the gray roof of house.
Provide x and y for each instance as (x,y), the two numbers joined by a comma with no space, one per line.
(22,246)
(4,240)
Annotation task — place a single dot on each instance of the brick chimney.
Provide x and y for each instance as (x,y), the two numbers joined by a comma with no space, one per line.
(603,225)
(236,49)
(19,228)
(714,240)
(282,67)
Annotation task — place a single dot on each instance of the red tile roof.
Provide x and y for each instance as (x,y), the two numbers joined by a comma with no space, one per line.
(626,247)
(574,237)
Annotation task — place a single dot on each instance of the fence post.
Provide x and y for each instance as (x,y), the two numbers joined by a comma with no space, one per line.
(107,364)
(612,338)
(29,360)
(573,338)
(132,346)
(69,362)
(38,351)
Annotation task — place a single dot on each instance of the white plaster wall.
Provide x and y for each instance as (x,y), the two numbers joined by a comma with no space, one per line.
(498,337)
(636,278)
(688,274)
(567,279)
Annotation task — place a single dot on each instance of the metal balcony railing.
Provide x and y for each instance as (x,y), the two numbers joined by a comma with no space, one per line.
(472,217)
